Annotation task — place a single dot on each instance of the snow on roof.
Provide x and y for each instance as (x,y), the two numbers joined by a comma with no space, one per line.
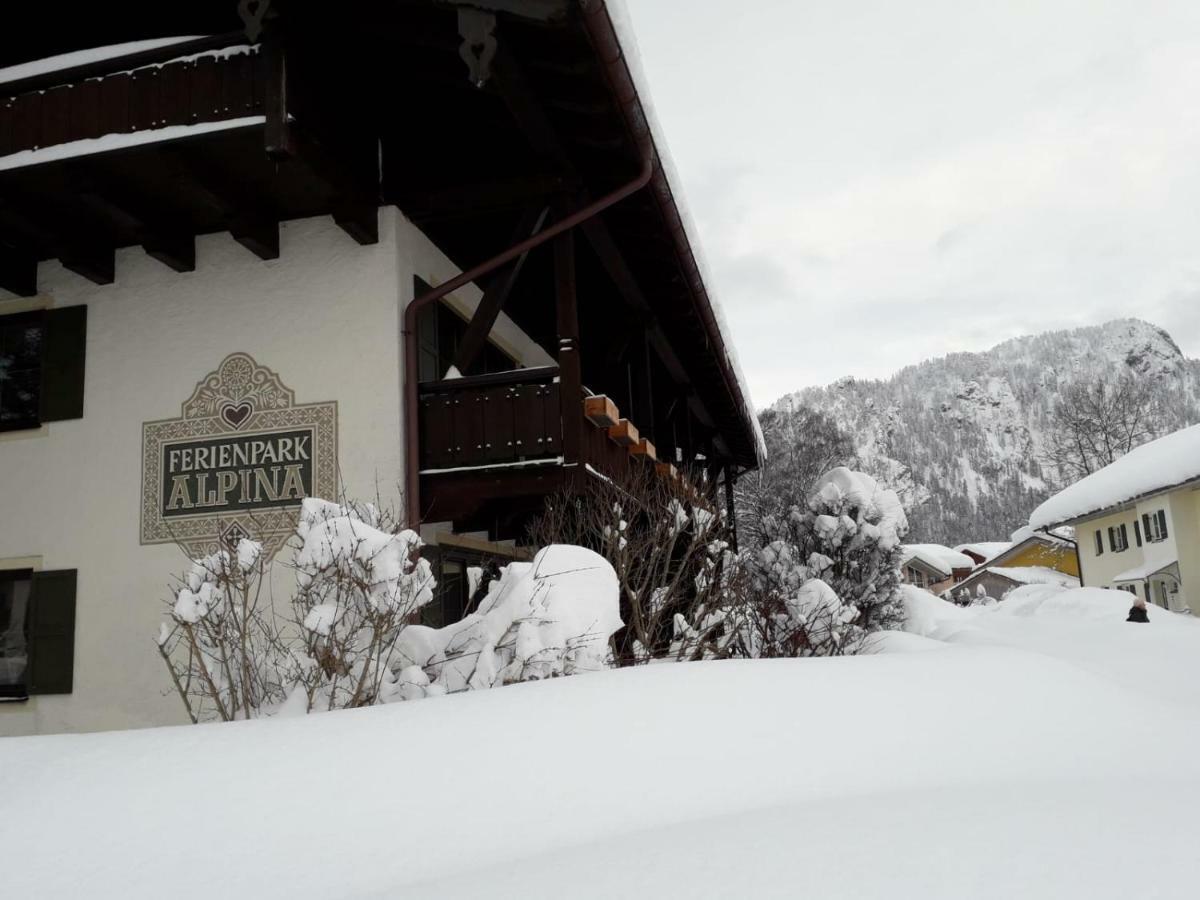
(1144,571)
(618,13)
(937,556)
(1062,535)
(1034,575)
(986,549)
(83,57)
(1145,470)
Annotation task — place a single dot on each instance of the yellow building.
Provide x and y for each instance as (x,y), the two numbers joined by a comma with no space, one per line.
(1033,558)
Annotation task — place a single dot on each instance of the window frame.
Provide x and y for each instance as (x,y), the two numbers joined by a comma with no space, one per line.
(1118,538)
(1155,526)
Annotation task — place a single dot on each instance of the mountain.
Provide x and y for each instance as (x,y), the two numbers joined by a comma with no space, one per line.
(962,437)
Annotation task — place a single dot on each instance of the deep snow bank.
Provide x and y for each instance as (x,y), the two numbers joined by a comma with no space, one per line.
(1085,627)
(974,770)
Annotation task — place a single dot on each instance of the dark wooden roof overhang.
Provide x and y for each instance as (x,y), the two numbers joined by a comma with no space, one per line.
(382,110)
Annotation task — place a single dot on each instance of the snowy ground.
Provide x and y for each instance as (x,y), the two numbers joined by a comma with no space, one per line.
(1042,748)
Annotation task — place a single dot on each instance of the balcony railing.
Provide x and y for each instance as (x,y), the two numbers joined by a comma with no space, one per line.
(516,418)
(78,104)
(491,420)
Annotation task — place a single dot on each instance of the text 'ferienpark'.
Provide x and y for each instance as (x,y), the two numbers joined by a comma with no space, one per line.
(244,472)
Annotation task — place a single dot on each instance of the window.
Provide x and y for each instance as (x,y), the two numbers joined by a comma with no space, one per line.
(1137,532)
(1155,525)
(1099,543)
(21,341)
(1118,538)
(1131,588)
(14,641)
(41,366)
(37,633)
(439,331)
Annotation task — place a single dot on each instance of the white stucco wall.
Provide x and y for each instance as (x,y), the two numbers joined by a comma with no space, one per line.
(1182,544)
(326,316)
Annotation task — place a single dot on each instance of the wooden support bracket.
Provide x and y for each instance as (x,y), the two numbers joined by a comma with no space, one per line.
(601,411)
(624,433)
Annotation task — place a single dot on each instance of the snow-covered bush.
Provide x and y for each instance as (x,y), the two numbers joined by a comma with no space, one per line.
(351,639)
(361,581)
(550,617)
(828,575)
(222,644)
(680,583)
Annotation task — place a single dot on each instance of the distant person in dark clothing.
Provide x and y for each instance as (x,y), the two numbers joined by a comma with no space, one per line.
(1137,612)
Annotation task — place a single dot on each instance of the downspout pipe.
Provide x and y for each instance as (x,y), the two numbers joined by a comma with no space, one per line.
(1074,546)
(604,37)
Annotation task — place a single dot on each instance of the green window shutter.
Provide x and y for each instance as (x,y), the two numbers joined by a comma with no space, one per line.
(63,363)
(51,628)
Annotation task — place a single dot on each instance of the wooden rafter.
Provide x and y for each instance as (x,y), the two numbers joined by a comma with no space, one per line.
(497,292)
(18,271)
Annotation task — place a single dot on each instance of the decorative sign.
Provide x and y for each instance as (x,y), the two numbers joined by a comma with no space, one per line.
(237,462)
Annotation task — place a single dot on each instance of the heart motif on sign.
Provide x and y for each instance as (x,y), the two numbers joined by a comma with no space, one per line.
(236,415)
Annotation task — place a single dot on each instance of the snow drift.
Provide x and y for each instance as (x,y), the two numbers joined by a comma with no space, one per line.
(1013,759)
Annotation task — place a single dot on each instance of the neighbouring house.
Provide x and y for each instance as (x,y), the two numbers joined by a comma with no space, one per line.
(1137,522)
(428,253)
(1029,558)
(983,551)
(933,566)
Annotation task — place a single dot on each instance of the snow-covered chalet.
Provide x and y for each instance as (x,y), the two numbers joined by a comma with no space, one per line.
(1137,522)
(424,252)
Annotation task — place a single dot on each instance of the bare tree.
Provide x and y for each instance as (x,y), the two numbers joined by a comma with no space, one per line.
(1094,424)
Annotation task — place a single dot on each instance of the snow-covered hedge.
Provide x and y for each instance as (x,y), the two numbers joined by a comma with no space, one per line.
(350,638)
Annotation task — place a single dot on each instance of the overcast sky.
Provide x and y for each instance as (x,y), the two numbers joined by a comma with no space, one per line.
(877,182)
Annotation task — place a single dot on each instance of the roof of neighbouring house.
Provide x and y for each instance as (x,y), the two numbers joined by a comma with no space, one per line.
(985,549)
(1016,575)
(1150,469)
(936,556)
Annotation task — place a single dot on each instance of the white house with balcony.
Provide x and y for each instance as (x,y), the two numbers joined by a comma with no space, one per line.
(1137,522)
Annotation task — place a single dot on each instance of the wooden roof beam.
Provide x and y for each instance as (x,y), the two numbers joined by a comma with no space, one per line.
(356,192)
(154,225)
(614,264)
(18,271)
(500,194)
(89,255)
(497,292)
(250,219)
(536,10)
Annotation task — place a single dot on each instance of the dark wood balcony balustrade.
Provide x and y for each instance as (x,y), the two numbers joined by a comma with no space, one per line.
(157,95)
(509,420)
(491,420)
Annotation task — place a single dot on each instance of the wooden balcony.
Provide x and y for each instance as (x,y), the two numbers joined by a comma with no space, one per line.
(498,440)
(506,419)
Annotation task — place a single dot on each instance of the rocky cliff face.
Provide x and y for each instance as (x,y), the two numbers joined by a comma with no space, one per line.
(961,437)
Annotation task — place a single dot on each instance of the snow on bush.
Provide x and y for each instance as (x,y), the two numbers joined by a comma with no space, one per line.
(351,639)
(678,580)
(827,574)
(550,617)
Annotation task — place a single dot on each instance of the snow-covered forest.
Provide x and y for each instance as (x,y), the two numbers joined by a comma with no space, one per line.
(965,438)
